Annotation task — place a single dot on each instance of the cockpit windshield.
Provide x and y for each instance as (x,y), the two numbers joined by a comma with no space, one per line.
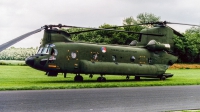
(44,50)
(39,50)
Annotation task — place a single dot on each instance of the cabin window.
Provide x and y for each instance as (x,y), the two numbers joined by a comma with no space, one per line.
(149,60)
(94,56)
(132,58)
(114,57)
(73,55)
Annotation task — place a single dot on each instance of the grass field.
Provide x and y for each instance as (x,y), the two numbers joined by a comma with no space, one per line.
(26,78)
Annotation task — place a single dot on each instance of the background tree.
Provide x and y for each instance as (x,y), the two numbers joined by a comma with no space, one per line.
(17,53)
(147,17)
(113,37)
(192,44)
(134,28)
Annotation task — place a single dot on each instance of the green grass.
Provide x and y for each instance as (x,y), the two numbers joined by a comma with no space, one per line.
(26,78)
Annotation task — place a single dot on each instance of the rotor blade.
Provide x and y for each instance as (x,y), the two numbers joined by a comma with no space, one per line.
(106,29)
(60,25)
(181,24)
(115,30)
(177,33)
(13,41)
(94,29)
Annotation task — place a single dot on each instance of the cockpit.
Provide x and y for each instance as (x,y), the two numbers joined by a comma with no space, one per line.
(43,50)
(47,49)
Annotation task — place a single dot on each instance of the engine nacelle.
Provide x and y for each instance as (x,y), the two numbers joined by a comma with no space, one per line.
(156,46)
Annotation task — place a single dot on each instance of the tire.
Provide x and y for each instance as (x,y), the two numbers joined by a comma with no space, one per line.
(162,77)
(99,79)
(78,78)
(103,79)
(137,78)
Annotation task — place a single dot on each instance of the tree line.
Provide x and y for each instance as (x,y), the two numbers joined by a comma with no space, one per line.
(17,53)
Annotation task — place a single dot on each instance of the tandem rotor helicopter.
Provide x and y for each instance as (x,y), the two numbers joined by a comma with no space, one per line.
(149,56)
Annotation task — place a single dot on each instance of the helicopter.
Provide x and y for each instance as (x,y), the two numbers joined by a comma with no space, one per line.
(149,56)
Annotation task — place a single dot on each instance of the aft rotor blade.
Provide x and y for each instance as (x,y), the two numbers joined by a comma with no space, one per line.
(13,41)
(176,32)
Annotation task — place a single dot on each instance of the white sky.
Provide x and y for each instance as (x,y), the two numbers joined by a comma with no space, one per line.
(18,17)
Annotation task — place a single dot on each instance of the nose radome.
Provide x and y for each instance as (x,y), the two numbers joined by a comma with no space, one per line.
(30,61)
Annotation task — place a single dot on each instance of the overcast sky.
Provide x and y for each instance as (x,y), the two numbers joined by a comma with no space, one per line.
(18,17)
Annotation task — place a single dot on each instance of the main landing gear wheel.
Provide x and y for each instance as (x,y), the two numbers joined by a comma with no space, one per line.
(137,78)
(163,77)
(78,78)
(101,79)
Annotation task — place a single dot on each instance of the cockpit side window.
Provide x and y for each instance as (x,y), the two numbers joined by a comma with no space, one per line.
(54,52)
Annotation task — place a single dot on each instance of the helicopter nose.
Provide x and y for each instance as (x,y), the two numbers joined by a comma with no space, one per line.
(30,61)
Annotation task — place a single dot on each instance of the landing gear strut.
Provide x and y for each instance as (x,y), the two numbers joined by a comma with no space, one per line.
(65,75)
(127,77)
(91,75)
(78,78)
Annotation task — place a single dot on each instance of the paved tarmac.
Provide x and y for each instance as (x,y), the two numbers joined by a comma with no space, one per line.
(134,99)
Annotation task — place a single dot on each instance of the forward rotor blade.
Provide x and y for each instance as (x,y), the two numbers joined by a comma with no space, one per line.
(94,29)
(13,41)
